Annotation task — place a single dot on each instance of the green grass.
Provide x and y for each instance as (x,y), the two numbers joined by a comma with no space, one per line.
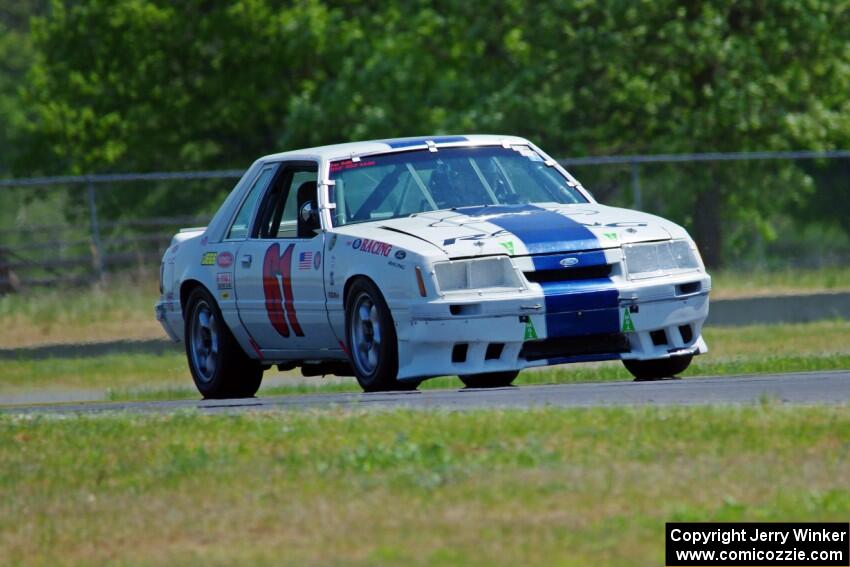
(123,308)
(109,371)
(771,282)
(539,487)
(744,350)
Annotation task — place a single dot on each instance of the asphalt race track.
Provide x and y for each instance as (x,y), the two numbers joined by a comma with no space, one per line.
(796,388)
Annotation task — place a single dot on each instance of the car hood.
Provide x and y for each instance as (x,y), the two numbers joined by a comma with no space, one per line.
(520,230)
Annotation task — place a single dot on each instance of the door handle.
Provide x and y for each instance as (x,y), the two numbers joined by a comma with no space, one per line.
(246,260)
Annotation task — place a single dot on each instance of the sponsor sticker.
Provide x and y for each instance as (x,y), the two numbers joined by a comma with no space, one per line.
(208,259)
(396,265)
(475,237)
(628,324)
(225,260)
(400,254)
(225,295)
(610,235)
(224,280)
(509,246)
(530,331)
(349,164)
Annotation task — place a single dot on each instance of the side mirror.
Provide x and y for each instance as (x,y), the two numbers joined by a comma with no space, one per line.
(309,213)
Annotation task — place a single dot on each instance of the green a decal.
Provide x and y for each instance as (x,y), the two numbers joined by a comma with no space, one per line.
(530,333)
(509,246)
(628,325)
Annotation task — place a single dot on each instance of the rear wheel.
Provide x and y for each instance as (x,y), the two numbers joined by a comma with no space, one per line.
(489,379)
(219,367)
(659,368)
(371,337)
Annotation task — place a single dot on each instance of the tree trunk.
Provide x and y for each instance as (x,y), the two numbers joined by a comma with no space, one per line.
(708,232)
(8,280)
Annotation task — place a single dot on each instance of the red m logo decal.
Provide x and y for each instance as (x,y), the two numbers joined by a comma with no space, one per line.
(277,273)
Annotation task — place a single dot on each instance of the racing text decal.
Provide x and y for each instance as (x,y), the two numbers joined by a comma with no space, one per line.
(277,273)
(372,247)
(349,164)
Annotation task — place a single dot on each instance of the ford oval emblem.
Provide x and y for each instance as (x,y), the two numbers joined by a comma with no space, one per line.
(400,254)
(567,262)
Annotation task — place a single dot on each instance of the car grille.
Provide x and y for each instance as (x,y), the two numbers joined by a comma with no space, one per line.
(569,274)
(606,343)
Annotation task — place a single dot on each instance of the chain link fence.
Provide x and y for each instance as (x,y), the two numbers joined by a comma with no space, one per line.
(78,230)
(765,210)
(747,211)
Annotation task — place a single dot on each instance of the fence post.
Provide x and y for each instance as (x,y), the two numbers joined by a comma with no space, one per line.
(636,196)
(95,231)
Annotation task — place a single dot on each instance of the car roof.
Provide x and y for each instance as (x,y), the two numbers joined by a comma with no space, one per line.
(338,151)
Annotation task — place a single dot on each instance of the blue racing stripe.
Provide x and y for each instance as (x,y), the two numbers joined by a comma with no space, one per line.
(409,142)
(541,231)
(573,307)
(582,307)
(578,307)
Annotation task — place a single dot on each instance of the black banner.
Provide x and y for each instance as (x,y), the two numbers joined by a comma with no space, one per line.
(762,544)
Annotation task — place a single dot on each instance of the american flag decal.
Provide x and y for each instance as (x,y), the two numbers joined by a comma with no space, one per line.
(305,260)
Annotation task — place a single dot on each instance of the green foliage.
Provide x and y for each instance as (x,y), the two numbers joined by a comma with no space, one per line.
(141,83)
(152,84)
(16,56)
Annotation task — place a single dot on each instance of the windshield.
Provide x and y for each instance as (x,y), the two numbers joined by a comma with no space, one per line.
(401,184)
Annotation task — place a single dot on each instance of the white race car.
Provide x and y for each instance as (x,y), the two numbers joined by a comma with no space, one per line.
(398,260)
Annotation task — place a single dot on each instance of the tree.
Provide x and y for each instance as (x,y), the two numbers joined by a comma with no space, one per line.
(152,84)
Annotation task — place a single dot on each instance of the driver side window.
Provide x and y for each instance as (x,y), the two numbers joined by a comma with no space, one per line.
(278,214)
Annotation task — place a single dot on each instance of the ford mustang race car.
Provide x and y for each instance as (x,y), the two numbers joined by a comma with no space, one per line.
(398,260)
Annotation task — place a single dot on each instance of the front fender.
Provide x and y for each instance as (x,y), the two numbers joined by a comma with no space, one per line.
(390,267)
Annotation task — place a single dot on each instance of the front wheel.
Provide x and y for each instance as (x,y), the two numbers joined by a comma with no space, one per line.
(489,379)
(219,367)
(372,341)
(659,368)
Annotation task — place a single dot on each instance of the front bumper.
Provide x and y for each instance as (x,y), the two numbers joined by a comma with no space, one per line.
(476,335)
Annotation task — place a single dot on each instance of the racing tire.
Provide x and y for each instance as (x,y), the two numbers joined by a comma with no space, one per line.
(658,368)
(490,379)
(371,339)
(219,366)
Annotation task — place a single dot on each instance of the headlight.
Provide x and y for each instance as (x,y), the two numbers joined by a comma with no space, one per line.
(653,259)
(488,274)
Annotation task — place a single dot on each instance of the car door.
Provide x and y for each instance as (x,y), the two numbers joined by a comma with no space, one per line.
(279,283)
